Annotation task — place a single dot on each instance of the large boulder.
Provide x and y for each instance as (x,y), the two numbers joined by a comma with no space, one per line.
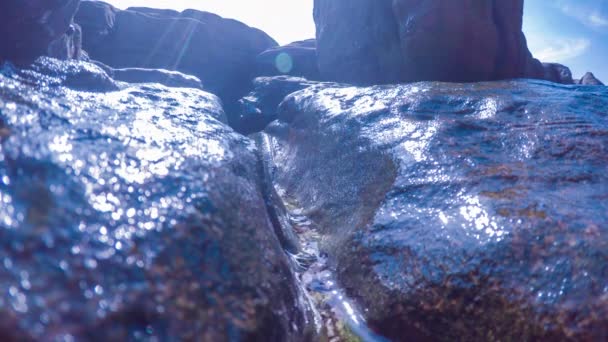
(294,59)
(33,28)
(467,212)
(220,52)
(133,213)
(388,41)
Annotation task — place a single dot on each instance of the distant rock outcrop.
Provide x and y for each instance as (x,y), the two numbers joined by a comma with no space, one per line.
(557,73)
(220,52)
(29,29)
(589,79)
(388,41)
(296,59)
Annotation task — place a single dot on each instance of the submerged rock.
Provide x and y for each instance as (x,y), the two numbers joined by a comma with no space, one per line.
(295,59)
(457,212)
(220,52)
(34,28)
(390,41)
(134,214)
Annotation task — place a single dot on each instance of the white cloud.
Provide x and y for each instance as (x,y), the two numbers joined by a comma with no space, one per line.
(585,14)
(560,50)
(597,20)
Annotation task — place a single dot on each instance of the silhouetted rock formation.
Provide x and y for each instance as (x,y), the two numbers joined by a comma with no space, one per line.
(297,59)
(220,52)
(389,41)
(589,79)
(33,28)
(136,214)
(456,211)
(557,73)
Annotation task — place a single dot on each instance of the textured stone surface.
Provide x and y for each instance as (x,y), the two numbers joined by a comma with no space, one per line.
(388,41)
(457,212)
(133,213)
(33,28)
(161,76)
(220,52)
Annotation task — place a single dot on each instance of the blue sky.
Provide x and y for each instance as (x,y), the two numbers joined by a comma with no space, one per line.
(572,32)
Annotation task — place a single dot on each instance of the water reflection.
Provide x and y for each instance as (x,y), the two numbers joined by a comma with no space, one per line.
(83,178)
(479,218)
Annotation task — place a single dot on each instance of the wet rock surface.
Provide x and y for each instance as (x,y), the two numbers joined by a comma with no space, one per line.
(220,52)
(133,213)
(161,76)
(34,28)
(456,212)
(388,41)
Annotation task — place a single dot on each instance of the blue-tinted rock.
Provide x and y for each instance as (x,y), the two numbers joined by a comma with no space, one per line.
(50,72)
(259,107)
(220,52)
(134,214)
(590,79)
(557,73)
(161,76)
(457,212)
(295,59)
(68,46)
(34,28)
(389,41)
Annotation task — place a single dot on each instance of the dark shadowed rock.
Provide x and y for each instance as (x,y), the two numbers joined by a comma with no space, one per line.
(557,73)
(220,52)
(295,59)
(28,28)
(259,107)
(457,212)
(389,41)
(589,79)
(136,214)
(68,46)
